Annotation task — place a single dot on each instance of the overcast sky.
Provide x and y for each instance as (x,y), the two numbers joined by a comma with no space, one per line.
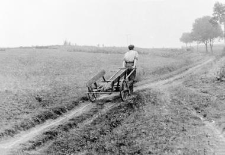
(144,23)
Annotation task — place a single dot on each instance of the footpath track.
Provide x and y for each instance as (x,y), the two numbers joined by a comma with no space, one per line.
(9,145)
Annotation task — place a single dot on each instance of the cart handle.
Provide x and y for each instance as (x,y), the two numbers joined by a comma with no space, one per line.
(130,73)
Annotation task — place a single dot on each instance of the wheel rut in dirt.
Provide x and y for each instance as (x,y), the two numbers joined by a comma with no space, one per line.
(76,123)
(201,95)
(191,70)
(24,137)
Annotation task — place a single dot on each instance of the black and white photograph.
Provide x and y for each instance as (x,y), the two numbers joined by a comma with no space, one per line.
(112,77)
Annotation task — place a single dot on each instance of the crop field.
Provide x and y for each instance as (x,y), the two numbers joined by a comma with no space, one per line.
(37,84)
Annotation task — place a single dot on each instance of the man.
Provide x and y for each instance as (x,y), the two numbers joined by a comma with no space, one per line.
(130,62)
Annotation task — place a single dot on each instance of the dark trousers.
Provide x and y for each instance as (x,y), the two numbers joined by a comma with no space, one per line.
(132,76)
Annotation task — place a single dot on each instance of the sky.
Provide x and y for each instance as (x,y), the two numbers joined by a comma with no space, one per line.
(144,23)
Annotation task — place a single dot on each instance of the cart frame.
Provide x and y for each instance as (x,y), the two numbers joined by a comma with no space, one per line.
(119,82)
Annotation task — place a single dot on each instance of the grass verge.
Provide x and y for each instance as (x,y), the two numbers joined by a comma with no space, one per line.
(40,118)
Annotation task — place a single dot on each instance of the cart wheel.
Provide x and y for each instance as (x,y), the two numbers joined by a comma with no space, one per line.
(131,87)
(124,91)
(92,96)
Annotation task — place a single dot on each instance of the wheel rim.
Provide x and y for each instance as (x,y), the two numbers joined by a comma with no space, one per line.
(124,92)
(124,95)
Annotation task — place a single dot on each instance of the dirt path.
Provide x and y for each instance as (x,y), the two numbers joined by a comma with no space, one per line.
(8,145)
(216,136)
(191,70)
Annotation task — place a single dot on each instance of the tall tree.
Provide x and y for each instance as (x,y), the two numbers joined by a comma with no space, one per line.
(206,32)
(186,38)
(214,33)
(219,15)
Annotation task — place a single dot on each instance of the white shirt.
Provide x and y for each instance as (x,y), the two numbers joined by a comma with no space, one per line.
(130,56)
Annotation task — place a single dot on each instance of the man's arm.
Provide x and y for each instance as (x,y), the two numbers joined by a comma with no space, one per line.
(123,63)
(135,59)
(135,62)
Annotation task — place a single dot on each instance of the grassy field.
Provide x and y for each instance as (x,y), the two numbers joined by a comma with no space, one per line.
(33,81)
(186,117)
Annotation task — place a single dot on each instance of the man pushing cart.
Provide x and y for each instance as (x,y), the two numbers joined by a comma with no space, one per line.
(122,81)
(129,62)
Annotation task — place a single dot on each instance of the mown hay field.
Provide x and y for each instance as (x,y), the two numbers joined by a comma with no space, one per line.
(33,80)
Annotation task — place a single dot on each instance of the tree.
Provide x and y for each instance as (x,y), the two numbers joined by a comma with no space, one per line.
(219,15)
(186,38)
(215,32)
(204,31)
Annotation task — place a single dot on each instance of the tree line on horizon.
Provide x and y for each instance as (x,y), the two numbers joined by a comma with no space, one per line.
(207,29)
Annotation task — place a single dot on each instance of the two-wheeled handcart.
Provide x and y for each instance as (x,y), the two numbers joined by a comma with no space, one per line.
(119,82)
